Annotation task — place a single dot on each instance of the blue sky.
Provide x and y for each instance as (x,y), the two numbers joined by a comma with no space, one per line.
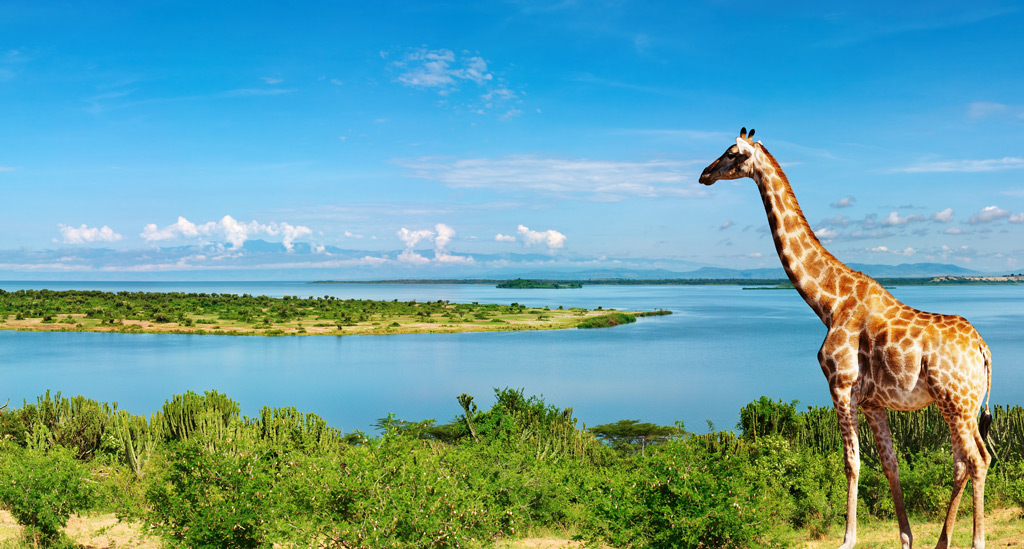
(401,139)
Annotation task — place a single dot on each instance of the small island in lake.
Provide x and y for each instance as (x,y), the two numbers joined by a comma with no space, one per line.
(528,284)
(213,313)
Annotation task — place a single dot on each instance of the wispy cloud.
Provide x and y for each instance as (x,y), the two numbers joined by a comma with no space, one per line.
(604,180)
(844,202)
(129,98)
(983,110)
(885,250)
(970,166)
(8,168)
(83,234)
(448,73)
(439,69)
(894,219)
(248,92)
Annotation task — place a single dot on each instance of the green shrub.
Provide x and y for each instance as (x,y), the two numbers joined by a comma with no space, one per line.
(42,489)
(687,494)
(606,321)
(213,499)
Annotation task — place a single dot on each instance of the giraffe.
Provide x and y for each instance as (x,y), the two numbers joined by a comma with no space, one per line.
(878,353)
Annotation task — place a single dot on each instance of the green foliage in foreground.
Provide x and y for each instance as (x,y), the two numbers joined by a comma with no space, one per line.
(199,474)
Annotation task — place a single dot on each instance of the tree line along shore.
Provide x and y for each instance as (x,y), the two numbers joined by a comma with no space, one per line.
(213,313)
(198,474)
(545,283)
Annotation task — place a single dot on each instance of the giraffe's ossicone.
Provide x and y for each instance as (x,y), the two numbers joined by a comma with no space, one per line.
(878,353)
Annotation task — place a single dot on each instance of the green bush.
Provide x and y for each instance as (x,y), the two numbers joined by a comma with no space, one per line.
(213,499)
(606,321)
(42,488)
(687,494)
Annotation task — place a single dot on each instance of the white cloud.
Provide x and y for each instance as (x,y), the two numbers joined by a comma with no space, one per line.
(441,241)
(289,233)
(7,168)
(970,166)
(944,216)
(604,180)
(411,239)
(826,233)
(80,235)
(228,229)
(444,236)
(504,238)
(1018,218)
(271,80)
(725,225)
(953,230)
(894,219)
(550,238)
(989,214)
(880,249)
(844,202)
(441,235)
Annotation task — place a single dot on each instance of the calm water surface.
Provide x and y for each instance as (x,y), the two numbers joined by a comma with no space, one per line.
(722,348)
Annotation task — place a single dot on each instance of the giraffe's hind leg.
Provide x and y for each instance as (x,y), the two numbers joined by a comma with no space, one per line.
(879,423)
(970,462)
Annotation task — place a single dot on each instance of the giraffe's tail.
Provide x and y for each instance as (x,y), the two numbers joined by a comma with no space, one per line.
(985,421)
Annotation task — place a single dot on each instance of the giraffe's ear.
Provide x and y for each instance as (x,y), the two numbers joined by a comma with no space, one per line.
(744,145)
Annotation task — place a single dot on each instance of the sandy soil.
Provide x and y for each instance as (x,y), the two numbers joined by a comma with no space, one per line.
(1004,528)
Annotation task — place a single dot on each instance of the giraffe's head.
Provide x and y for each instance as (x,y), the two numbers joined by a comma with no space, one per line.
(734,163)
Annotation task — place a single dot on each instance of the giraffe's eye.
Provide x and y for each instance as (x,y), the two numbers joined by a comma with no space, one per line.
(731,154)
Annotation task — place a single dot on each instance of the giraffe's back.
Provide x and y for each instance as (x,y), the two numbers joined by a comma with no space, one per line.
(911,358)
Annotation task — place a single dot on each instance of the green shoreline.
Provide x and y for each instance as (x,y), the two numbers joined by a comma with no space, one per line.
(780,283)
(232,314)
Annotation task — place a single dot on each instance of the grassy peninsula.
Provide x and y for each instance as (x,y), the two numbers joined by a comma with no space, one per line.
(213,313)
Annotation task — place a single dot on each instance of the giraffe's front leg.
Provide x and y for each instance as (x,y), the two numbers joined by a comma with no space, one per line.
(846,410)
(879,423)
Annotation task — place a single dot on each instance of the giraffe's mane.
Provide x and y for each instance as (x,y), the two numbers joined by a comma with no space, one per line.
(790,195)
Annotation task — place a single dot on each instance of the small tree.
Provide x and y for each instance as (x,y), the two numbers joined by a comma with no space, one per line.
(628,433)
(768,417)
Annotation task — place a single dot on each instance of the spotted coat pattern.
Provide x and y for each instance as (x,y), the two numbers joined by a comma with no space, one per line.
(878,353)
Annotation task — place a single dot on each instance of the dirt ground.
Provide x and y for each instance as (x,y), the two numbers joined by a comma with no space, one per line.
(1004,528)
(102,530)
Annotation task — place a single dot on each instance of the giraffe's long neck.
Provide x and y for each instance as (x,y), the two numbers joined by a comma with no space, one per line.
(812,269)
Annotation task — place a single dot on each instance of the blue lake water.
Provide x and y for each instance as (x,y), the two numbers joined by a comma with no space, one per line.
(722,347)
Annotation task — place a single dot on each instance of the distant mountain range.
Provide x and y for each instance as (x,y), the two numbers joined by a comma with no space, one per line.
(904,270)
(262,260)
